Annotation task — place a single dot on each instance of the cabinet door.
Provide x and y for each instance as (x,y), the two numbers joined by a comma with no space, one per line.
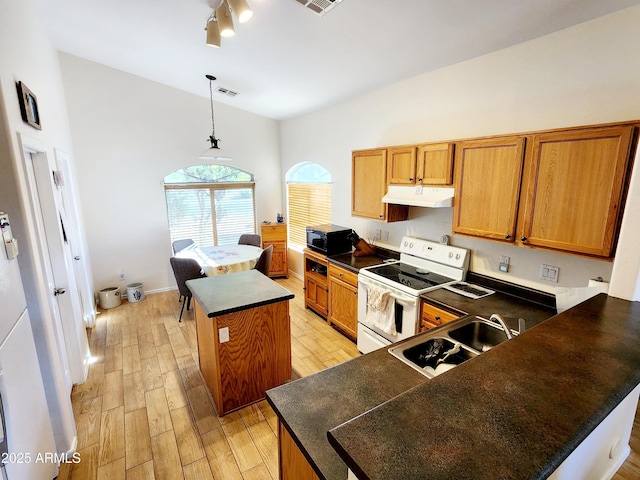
(433,316)
(369,183)
(343,300)
(487,184)
(401,168)
(278,259)
(435,164)
(316,296)
(575,189)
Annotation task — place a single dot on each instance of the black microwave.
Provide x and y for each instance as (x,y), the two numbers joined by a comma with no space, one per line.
(329,239)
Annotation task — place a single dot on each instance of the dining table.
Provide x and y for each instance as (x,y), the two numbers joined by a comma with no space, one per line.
(222,259)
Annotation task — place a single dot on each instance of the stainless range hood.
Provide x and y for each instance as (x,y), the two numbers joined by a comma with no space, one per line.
(419,196)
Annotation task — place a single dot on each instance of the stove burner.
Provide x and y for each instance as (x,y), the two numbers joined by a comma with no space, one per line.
(412,277)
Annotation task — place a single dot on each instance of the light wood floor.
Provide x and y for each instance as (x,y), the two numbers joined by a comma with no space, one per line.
(145,413)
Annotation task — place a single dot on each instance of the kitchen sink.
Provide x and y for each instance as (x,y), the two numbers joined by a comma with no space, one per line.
(479,335)
(434,352)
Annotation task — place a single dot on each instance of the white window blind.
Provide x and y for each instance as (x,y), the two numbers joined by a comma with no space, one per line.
(210,204)
(309,204)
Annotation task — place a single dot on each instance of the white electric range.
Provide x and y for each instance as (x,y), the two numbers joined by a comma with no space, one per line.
(423,266)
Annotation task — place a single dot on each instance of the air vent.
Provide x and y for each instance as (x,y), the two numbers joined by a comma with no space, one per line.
(226,91)
(319,6)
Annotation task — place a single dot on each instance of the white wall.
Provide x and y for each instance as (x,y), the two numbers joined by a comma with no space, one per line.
(128,133)
(587,74)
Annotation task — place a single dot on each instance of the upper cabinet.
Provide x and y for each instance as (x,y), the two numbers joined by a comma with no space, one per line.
(369,185)
(428,164)
(435,164)
(487,185)
(562,191)
(574,190)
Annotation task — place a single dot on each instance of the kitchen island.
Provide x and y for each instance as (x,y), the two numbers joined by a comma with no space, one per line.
(516,411)
(244,336)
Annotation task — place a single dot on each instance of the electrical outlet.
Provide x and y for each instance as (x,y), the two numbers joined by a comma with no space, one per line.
(378,234)
(121,275)
(385,236)
(549,273)
(223,334)
(504,263)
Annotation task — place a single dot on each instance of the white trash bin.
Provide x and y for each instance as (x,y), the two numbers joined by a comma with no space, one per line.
(135,293)
(109,297)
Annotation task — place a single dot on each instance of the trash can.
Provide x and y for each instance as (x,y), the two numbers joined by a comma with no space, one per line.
(109,297)
(135,292)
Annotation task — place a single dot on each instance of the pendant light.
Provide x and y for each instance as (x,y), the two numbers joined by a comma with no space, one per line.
(213,153)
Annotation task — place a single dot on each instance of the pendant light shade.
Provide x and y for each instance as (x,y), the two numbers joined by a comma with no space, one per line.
(241,9)
(225,22)
(214,153)
(213,32)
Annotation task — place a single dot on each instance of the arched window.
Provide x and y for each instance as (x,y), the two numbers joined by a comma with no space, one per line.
(308,199)
(210,204)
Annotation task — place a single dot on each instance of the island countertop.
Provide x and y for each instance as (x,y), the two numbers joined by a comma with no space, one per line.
(233,292)
(516,411)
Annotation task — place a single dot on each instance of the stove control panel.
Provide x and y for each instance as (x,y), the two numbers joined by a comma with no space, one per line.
(435,252)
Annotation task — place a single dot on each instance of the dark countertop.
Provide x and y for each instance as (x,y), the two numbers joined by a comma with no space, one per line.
(233,292)
(520,302)
(353,263)
(311,406)
(516,411)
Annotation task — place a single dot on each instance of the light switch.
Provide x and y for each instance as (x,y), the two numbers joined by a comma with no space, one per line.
(223,334)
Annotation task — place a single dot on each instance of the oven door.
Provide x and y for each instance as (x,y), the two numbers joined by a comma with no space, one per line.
(406,317)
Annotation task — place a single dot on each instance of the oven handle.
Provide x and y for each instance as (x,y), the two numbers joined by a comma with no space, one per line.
(397,295)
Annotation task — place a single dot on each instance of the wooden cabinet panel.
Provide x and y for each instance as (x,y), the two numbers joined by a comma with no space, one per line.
(401,168)
(316,296)
(293,464)
(435,164)
(432,316)
(574,192)
(487,181)
(276,234)
(343,300)
(369,185)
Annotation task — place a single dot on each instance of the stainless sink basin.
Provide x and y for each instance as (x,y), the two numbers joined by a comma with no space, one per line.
(434,352)
(479,335)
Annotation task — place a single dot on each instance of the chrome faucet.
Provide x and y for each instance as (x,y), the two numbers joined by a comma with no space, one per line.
(500,320)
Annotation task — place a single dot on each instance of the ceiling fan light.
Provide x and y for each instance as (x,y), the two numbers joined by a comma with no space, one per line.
(225,22)
(241,9)
(213,33)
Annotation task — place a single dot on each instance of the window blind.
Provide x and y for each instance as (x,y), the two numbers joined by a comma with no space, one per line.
(308,204)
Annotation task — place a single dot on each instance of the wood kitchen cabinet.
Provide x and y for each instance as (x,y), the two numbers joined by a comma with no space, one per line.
(573,191)
(316,287)
(488,175)
(427,164)
(292,462)
(275,234)
(369,185)
(564,191)
(343,300)
(432,316)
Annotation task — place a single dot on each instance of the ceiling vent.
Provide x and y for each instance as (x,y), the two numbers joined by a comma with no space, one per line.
(226,91)
(319,6)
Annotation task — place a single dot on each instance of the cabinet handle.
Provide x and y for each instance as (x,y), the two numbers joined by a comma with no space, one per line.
(411,179)
(380,216)
(507,236)
(523,239)
(420,180)
(437,318)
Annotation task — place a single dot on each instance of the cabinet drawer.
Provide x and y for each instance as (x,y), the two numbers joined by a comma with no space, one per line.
(277,232)
(433,316)
(345,275)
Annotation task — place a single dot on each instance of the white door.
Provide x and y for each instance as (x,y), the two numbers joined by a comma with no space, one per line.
(81,265)
(56,247)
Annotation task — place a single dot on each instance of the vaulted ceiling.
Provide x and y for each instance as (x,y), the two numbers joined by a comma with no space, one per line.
(288,60)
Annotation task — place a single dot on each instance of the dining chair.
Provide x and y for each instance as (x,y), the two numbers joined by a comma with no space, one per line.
(180,245)
(185,269)
(250,239)
(264,262)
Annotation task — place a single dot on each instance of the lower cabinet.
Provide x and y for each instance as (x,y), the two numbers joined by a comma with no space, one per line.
(432,316)
(343,300)
(293,464)
(316,288)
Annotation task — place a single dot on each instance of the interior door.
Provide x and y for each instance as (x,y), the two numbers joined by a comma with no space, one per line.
(56,248)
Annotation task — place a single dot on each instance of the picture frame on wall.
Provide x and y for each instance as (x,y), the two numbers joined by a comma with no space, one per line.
(28,106)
